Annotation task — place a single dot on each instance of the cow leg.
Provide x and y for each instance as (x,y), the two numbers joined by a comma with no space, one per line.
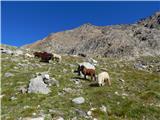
(109,82)
(91,77)
(94,77)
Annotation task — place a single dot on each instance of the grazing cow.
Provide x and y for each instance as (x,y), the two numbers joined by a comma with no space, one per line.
(86,65)
(45,57)
(89,72)
(57,57)
(102,78)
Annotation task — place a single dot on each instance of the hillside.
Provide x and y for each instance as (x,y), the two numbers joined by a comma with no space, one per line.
(140,39)
(134,93)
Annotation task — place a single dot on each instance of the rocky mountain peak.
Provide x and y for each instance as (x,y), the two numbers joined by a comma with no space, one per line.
(151,21)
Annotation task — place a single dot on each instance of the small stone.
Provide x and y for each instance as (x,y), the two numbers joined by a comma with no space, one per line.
(75,118)
(103,108)
(25,107)
(78,100)
(118,103)
(89,113)
(68,90)
(95,119)
(1,96)
(23,89)
(64,70)
(80,112)
(34,114)
(121,80)
(38,106)
(59,118)
(116,93)
(124,94)
(8,74)
(13,98)
(61,93)
(93,109)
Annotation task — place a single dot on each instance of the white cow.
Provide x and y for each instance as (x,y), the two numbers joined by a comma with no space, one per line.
(102,78)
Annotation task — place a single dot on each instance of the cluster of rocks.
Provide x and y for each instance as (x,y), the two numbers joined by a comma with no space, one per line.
(16,52)
(40,84)
(152,66)
(7,51)
(90,114)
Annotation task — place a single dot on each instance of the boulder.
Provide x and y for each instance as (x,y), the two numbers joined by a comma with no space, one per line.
(93,61)
(51,81)
(78,100)
(37,85)
(87,65)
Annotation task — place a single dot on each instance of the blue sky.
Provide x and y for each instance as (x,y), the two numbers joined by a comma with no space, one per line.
(27,22)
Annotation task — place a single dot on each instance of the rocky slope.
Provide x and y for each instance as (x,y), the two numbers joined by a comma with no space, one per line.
(140,39)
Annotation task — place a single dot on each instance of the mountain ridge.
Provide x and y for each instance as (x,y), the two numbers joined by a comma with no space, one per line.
(141,38)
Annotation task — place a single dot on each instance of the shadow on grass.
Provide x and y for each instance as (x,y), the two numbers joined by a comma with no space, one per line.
(94,85)
(81,78)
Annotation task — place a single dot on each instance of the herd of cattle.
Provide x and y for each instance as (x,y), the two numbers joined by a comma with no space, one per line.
(85,68)
(89,70)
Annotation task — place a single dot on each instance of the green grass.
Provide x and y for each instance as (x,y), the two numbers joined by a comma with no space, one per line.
(142,88)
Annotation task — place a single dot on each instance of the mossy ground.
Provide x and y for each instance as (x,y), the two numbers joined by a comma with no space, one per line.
(140,101)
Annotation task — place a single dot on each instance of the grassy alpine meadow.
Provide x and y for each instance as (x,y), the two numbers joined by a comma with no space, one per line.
(133,95)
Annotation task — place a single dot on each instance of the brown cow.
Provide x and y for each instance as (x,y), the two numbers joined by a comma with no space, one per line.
(45,57)
(89,72)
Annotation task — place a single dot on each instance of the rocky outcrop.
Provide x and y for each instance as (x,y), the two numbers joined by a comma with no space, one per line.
(140,39)
(151,22)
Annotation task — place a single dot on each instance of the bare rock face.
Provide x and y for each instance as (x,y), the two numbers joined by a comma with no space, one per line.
(140,39)
(152,21)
